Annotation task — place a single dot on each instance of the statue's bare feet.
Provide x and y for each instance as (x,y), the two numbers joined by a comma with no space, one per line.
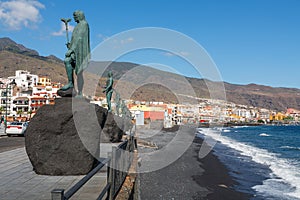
(79,96)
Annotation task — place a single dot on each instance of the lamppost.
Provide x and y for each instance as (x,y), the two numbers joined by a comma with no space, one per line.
(6,100)
(1,83)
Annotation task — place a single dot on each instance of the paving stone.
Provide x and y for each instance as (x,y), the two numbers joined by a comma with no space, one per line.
(19,182)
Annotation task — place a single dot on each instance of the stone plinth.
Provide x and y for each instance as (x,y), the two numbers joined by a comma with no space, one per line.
(113,129)
(67,93)
(63,139)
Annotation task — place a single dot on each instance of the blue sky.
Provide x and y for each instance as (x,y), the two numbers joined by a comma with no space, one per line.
(251,41)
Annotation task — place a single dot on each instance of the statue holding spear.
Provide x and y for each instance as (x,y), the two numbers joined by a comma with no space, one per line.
(66,21)
(78,54)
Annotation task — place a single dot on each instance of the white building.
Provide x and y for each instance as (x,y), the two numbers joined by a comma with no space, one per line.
(24,80)
(6,94)
(49,91)
(27,94)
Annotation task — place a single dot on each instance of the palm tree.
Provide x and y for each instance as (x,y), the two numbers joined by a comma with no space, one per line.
(20,112)
(1,117)
(29,112)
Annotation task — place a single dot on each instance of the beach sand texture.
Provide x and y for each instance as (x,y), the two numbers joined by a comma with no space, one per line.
(188,177)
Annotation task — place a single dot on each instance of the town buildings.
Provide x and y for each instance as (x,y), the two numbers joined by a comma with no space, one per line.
(23,94)
(209,111)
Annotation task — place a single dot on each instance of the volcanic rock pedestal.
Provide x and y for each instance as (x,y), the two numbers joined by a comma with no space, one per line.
(63,139)
(113,129)
(67,93)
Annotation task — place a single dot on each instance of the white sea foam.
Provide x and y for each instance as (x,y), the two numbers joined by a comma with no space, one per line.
(289,147)
(239,126)
(264,135)
(282,169)
(226,131)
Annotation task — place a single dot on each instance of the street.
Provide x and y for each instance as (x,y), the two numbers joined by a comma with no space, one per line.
(9,143)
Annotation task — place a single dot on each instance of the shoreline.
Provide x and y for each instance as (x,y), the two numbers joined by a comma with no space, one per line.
(221,174)
(232,124)
(227,124)
(188,177)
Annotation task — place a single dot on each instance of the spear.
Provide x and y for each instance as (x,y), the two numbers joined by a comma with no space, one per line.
(66,21)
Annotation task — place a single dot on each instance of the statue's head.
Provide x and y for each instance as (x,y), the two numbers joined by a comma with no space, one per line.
(78,16)
(110,74)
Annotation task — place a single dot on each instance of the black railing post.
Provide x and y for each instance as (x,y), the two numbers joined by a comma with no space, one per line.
(109,174)
(57,194)
(118,164)
(112,174)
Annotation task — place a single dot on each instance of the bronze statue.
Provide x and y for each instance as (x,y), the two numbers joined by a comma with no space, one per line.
(109,90)
(78,54)
(125,111)
(118,102)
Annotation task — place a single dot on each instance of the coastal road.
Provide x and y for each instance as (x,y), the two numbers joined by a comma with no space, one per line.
(10,143)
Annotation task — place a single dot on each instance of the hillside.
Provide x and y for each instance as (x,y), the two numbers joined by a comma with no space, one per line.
(264,96)
(162,85)
(131,75)
(14,57)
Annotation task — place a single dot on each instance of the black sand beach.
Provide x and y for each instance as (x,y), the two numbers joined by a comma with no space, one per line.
(188,177)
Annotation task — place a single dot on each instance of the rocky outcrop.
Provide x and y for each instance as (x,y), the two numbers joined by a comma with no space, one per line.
(114,128)
(67,93)
(63,139)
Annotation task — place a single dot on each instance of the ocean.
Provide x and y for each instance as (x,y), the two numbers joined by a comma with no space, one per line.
(264,160)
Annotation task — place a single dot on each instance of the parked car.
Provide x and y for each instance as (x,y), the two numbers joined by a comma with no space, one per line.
(16,128)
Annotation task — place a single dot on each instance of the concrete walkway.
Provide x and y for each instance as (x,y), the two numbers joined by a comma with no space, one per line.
(2,130)
(19,181)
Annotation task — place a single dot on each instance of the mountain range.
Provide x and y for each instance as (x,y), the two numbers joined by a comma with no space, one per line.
(15,56)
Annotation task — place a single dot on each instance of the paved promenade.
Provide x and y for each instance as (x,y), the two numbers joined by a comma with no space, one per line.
(19,181)
(2,130)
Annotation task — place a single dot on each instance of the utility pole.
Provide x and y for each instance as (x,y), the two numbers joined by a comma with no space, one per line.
(8,86)
(6,99)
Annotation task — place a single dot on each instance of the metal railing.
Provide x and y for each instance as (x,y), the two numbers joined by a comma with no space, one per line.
(118,164)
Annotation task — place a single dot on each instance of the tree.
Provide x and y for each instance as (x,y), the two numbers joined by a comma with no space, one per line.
(260,121)
(289,118)
(20,112)
(29,112)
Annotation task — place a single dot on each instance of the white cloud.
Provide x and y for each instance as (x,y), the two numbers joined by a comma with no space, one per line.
(62,30)
(168,54)
(181,53)
(184,53)
(103,37)
(120,43)
(16,14)
(127,40)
